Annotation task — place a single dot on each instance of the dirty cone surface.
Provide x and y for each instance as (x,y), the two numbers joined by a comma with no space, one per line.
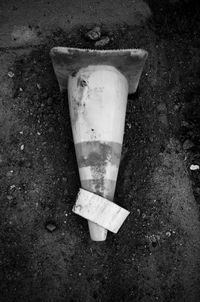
(45,250)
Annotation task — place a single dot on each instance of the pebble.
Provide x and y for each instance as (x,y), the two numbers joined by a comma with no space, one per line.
(10,197)
(188,144)
(194,167)
(9,173)
(185,124)
(104,41)
(22,147)
(94,34)
(50,227)
(11,74)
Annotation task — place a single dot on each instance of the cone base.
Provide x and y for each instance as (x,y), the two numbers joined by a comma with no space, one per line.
(97,233)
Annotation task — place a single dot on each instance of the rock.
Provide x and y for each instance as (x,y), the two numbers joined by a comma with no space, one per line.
(194,167)
(10,197)
(9,173)
(104,41)
(11,74)
(22,147)
(50,227)
(187,144)
(94,34)
(186,124)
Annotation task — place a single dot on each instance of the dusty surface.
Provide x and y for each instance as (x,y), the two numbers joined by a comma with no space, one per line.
(46,253)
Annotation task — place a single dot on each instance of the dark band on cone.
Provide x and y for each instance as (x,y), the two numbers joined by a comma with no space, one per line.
(96,153)
(106,190)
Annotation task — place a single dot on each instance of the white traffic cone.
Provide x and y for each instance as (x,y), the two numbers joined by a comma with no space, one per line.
(98,84)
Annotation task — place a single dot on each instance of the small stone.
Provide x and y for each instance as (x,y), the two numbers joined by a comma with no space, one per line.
(186,124)
(50,227)
(187,144)
(144,216)
(138,212)
(10,197)
(177,107)
(9,173)
(194,167)
(22,147)
(94,34)
(104,41)
(12,187)
(11,74)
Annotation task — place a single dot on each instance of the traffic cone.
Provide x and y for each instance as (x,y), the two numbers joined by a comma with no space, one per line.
(98,83)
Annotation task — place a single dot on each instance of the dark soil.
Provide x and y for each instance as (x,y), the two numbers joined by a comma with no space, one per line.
(156,254)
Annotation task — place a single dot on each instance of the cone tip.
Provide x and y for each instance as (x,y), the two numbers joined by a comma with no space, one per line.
(97,233)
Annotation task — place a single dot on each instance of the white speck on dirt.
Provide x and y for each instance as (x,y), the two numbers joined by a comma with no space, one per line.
(194,167)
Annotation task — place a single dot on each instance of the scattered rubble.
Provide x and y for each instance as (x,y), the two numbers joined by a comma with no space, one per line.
(94,34)
(104,41)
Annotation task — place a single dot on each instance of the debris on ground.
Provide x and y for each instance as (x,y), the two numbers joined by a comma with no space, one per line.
(50,227)
(94,34)
(11,74)
(104,41)
(194,167)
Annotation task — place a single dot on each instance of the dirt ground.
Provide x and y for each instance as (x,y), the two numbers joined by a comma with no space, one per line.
(156,254)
